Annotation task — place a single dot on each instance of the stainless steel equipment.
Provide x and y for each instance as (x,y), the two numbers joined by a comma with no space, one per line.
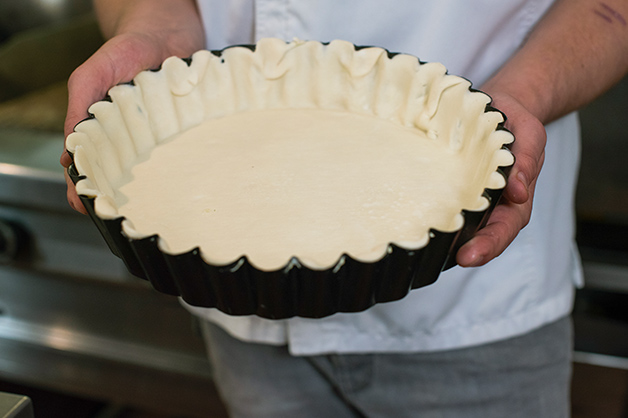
(71,318)
(600,314)
(15,406)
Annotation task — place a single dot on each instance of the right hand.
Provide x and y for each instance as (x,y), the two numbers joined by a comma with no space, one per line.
(119,60)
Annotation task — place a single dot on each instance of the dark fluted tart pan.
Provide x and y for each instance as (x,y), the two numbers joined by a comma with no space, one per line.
(240,288)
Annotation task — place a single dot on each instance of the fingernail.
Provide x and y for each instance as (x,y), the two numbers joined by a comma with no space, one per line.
(476,260)
(526,185)
(523,179)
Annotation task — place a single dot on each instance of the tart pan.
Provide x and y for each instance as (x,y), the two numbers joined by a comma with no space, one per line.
(240,288)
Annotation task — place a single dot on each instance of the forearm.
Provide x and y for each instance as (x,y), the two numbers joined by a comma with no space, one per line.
(175,22)
(578,51)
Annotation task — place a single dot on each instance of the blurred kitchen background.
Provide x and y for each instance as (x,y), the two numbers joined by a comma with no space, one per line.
(82,338)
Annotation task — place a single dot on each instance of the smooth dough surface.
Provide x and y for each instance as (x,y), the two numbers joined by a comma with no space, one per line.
(272,184)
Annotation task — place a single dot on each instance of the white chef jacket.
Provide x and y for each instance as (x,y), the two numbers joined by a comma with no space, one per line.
(532,282)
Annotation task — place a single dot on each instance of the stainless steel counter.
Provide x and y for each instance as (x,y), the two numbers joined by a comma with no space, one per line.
(600,316)
(15,406)
(71,317)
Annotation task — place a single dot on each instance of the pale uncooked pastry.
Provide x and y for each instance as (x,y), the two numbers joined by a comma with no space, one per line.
(296,149)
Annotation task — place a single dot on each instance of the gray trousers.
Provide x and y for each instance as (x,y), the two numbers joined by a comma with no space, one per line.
(523,377)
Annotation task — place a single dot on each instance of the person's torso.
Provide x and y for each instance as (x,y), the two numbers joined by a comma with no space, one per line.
(523,288)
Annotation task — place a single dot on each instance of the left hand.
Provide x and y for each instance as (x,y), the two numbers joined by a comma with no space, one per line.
(514,210)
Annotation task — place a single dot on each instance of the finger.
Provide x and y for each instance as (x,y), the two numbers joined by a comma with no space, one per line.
(73,199)
(65,159)
(84,89)
(503,226)
(529,151)
(481,248)
(82,93)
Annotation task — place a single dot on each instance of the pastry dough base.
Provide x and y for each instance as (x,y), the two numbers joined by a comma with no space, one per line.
(310,183)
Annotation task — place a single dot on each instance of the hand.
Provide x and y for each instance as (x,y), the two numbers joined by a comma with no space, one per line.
(117,61)
(514,210)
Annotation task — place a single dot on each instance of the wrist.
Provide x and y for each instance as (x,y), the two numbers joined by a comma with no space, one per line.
(173,26)
(526,86)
